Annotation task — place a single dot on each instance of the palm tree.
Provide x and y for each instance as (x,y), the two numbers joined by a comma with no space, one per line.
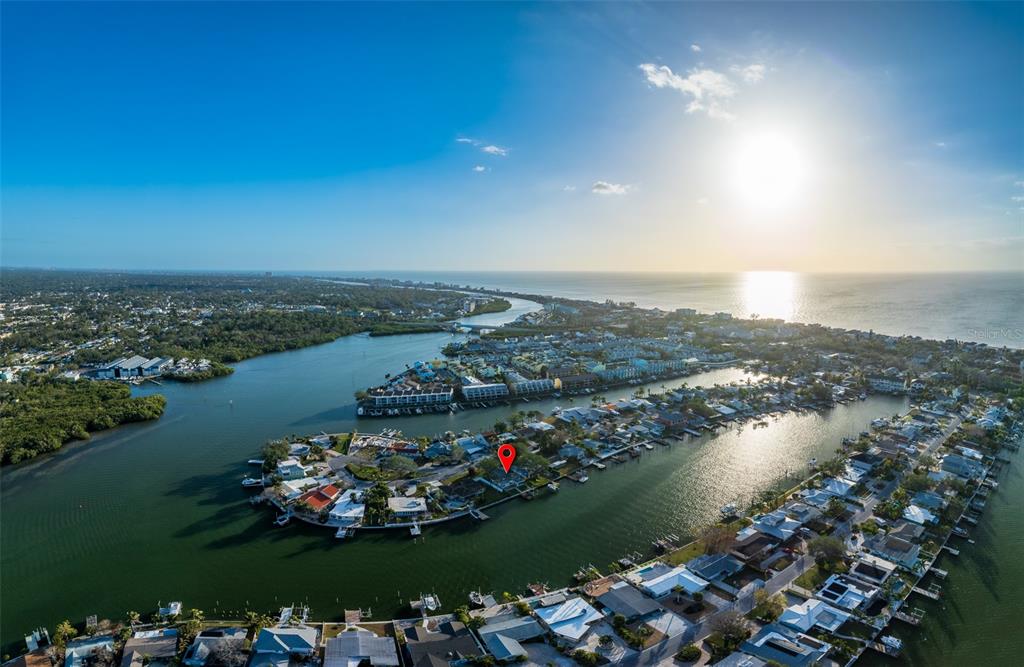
(133,618)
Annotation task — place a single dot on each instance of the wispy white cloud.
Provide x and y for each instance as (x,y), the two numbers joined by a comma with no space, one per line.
(479,169)
(1017,198)
(569,188)
(940,144)
(703,201)
(751,73)
(606,188)
(491,149)
(708,89)
(1019,184)
(695,48)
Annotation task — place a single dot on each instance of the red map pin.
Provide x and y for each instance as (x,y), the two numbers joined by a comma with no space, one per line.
(506,454)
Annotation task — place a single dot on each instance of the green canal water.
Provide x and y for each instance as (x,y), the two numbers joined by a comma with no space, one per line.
(154,512)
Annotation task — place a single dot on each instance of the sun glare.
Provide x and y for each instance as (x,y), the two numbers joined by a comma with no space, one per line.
(769,171)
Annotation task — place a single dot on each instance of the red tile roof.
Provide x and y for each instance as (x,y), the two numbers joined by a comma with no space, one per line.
(320,498)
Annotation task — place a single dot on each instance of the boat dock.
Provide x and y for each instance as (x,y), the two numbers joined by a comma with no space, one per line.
(951,550)
(941,574)
(934,591)
(478,515)
(912,618)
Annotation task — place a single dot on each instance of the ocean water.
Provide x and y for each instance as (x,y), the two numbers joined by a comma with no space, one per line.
(981,307)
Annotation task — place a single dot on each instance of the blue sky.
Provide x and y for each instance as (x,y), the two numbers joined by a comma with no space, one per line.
(590,136)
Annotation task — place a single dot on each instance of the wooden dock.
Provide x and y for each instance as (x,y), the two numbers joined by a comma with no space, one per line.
(933,592)
(912,618)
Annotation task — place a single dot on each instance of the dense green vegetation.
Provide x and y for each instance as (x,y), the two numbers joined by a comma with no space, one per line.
(91,317)
(42,414)
(398,328)
(215,370)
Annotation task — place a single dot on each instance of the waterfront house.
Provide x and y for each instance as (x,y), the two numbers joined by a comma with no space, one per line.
(502,636)
(753,546)
(150,647)
(864,461)
(929,500)
(320,498)
(405,508)
(360,648)
(714,567)
(82,652)
(811,614)
(775,524)
(278,647)
(474,446)
(446,643)
(872,569)
(659,579)
(569,621)
(837,486)
(963,467)
(291,468)
(919,515)
(208,647)
(899,550)
(437,450)
(846,592)
(785,646)
(623,599)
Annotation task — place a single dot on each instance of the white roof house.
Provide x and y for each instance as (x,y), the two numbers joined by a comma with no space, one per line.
(570,620)
(407,506)
(348,510)
(919,515)
(837,486)
(659,580)
(777,524)
(813,613)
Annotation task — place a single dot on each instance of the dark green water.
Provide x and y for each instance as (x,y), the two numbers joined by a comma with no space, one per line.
(155,512)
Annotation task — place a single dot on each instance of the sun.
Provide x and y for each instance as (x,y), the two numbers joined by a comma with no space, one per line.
(768,170)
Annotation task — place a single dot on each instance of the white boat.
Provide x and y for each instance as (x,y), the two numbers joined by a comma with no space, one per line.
(892,642)
(283,520)
(648,445)
(255,462)
(729,509)
(252,481)
(430,602)
(812,463)
(600,466)
(415,530)
(552,486)
(171,610)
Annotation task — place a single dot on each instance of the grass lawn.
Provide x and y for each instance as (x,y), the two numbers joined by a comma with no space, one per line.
(686,553)
(372,473)
(812,578)
(342,442)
